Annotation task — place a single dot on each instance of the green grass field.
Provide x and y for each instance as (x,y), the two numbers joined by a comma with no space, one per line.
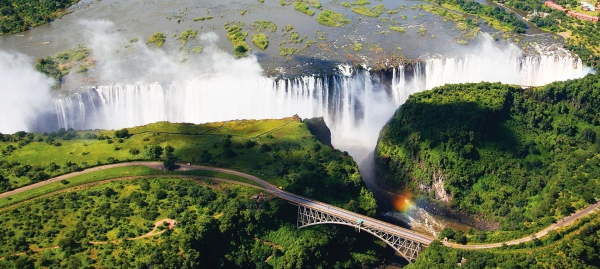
(79,180)
(267,149)
(206,173)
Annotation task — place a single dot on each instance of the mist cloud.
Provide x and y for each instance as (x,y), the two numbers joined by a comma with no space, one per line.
(118,60)
(25,92)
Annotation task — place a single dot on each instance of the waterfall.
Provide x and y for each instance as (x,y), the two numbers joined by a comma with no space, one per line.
(356,104)
(526,71)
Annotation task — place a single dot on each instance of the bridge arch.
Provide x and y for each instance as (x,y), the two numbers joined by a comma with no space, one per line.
(407,248)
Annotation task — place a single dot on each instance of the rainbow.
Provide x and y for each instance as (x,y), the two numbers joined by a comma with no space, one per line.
(403,202)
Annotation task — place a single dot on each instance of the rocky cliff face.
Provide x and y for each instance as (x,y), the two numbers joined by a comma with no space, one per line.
(437,186)
(317,127)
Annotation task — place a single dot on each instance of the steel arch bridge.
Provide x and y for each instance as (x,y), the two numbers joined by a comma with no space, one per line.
(407,248)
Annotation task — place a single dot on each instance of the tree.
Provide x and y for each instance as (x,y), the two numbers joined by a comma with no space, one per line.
(205,156)
(123,133)
(154,152)
(367,202)
(4,184)
(460,237)
(169,159)
(158,38)
(68,245)
(446,233)
(144,185)
(588,135)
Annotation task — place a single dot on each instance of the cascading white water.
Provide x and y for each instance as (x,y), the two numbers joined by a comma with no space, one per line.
(528,71)
(354,105)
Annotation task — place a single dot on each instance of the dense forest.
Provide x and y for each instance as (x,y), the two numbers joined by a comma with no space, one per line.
(574,247)
(218,226)
(19,15)
(522,158)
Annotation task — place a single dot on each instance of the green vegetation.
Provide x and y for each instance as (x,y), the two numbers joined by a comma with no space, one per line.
(497,17)
(260,40)
(158,39)
(574,247)
(304,8)
(79,180)
(213,174)
(187,35)
(359,3)
(358,47)
(522,158)
(295,38)
(331,18)
(422,31)
(203,18)
(582,37)
(398,29)
(197,49)
(315,3)
(218,226)
(238,39)
(262,25)
(468,27)
(60,65)
(20,15)
(287,51)
(375,11)
(282,152)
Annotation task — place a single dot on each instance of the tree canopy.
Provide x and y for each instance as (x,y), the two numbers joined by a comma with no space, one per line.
(523,158)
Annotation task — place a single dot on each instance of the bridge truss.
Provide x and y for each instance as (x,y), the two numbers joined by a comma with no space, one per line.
(407,248)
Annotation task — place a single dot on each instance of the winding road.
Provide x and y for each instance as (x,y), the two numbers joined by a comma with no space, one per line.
(323,207)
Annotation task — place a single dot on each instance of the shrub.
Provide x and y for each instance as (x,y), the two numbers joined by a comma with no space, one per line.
(331,18)
(303,7)
(398,29)
(158,39)
(187,35)
(260,40)
(123,133)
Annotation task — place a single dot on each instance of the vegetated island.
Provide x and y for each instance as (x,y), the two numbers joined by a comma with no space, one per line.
(509,160)
(117,224)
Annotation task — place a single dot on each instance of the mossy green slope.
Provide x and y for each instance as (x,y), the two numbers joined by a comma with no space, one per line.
(283,152)
(524,158)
